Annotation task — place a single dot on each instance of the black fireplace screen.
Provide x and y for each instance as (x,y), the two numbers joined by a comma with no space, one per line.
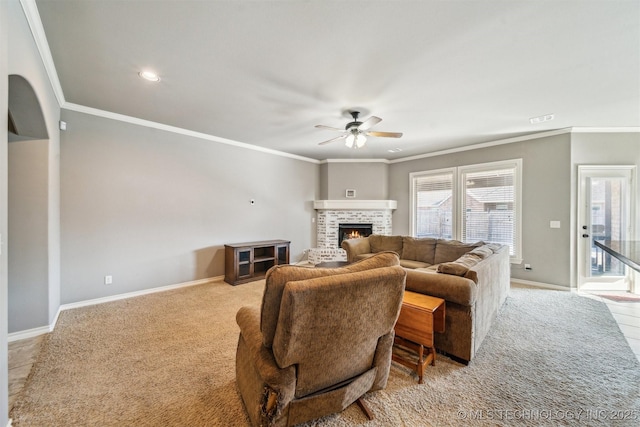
(353,231)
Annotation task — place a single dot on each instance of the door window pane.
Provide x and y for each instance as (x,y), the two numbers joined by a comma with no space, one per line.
(608,222)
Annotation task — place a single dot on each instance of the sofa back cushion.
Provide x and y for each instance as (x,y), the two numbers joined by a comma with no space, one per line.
(419,249)
(451,250)
(380,243)
(278,276)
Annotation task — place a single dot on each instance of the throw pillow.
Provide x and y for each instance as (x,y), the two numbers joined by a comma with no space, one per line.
(461,266)
(419,249)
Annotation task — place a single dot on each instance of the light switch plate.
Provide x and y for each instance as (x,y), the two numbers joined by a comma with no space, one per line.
(554,224)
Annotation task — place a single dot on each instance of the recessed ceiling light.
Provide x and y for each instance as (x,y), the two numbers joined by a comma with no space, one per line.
(149,75)
(394,150)
(540,119)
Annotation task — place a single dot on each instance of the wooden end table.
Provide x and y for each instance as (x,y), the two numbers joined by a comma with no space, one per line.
(420,316)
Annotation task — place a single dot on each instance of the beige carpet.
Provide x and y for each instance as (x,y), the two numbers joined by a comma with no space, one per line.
(167,359)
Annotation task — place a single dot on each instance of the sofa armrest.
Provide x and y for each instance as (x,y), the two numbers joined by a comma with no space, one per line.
(248,318)
(456,289)
(355,247)
(265,388)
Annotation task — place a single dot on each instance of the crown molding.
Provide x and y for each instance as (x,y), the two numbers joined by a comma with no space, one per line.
(37,30)
(355,161)
(486,144)
(181,131)
(538,135)
(617,129)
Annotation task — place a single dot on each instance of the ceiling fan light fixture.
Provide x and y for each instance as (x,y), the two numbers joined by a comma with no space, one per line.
(355,138)
(350,140)
(355,133)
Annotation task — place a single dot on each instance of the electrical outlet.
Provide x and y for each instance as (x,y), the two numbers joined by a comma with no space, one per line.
(108,280)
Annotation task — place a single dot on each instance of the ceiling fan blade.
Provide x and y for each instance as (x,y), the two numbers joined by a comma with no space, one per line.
(385,134)
(337,138)
(369,123)
(329,127)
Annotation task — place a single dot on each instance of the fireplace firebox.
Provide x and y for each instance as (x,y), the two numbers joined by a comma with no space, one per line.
(353,231)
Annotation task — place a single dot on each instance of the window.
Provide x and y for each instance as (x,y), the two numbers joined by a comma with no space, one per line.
(470,203)
(433,204)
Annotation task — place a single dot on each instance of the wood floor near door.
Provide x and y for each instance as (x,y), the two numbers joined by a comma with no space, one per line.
(22,355)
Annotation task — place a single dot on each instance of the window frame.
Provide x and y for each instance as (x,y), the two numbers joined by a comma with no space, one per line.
(458,195)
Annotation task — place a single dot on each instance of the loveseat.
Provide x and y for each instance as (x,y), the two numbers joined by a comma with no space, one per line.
(473,279)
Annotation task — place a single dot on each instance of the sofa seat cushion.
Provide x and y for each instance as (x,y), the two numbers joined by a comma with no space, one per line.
(380,243)
(409,263)
(430,269)
(418,249)
(451,250)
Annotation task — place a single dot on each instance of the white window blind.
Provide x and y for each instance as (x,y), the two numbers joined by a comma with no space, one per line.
(470,203)
(434,199)
(489,206)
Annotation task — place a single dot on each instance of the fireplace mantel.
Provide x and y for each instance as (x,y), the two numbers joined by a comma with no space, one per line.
(354,204)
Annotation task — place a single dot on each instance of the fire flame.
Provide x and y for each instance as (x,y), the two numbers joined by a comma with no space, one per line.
(355,234)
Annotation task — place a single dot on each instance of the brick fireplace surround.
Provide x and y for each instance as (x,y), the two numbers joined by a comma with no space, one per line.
(332,213)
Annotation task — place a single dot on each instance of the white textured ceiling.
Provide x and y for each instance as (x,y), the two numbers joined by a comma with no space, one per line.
(446,73)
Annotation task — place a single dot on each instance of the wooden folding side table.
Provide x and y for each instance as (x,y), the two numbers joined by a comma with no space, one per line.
(420,316)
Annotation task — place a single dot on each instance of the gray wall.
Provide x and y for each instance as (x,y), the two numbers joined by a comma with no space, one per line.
(546,188)
(24,60)
(602,148)
(369,179)
(154,208)
(4,102)
(28,231)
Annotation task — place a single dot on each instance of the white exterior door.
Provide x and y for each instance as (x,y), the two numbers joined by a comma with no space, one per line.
(605,212)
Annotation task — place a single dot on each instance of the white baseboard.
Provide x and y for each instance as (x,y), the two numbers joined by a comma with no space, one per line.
(30,333)
(540,285)
(136,293)
(10,422)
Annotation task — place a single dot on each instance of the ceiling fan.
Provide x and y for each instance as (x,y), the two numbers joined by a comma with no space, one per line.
(355,133)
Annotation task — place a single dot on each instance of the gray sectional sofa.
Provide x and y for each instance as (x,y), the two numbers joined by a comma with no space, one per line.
(473,279)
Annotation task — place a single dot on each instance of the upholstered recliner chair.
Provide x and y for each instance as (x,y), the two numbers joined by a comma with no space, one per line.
(321,340)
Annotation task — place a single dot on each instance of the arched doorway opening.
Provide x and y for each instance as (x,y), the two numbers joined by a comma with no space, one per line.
(28,216)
